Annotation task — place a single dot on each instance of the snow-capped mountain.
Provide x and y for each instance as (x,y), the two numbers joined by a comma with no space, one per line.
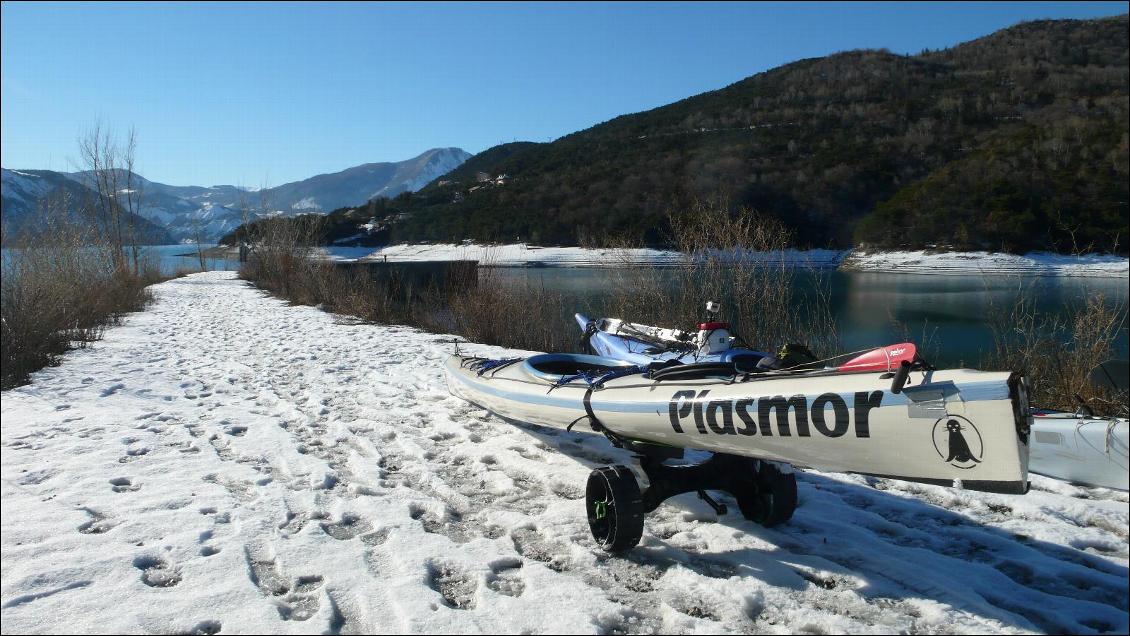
(326,192)
(209,212)
(354,186)
(182,209)
(27,195)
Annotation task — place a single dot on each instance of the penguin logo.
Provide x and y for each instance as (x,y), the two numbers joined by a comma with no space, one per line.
(958,442)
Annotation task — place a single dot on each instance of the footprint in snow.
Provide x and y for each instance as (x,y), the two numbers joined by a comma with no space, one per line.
(222,448)
(35,477)
(206,628)
(298,604)
(124,484)
(455,586)
(97,524)
(349,526)
(526,453)
(207,549)
(567,490)
(505,577)
(307,584)
(134,453)
(156,572)
(375,538)
(531,544)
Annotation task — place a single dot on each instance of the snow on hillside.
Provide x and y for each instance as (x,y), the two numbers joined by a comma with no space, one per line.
(419,172)
(24,186)
(225,462)
(23,194)
(305,204)
(1035,263)
(941,263)
(21,191)
(356,185)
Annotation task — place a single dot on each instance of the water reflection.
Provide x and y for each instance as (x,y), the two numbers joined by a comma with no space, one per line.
(949,310)
(174,258)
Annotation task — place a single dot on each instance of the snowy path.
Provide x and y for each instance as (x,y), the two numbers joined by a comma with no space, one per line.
(224,462)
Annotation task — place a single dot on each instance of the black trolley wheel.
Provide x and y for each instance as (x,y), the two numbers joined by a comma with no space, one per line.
(615,508)
(771,499)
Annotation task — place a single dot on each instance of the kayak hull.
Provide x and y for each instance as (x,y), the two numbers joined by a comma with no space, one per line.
(1089,451)
(947,425)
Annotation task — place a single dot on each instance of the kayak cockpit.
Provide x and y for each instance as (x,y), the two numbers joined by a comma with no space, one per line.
(552,367)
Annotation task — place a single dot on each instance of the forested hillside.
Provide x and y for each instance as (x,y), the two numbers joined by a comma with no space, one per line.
(1015,141)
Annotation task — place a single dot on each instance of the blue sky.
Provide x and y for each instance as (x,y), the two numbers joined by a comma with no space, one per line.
(263,94)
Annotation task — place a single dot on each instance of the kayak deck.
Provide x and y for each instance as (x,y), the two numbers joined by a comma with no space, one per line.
(945,427)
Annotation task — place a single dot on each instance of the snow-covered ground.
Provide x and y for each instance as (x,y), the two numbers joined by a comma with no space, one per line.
(997,263)
(224,462)
(524,255)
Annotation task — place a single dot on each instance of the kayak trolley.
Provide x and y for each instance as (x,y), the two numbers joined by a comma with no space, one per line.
(616,505)
(857,414)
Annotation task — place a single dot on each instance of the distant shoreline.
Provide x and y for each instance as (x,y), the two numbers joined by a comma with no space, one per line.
(521,255)
(905,262)
(997,263)
(216,251)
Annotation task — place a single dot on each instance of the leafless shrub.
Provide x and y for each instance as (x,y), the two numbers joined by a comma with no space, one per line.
(928,343)
(740,258)
(285,261)
(478,303)
(1057,353)
(281,258)
(61,289)
(521,315)
(636,293)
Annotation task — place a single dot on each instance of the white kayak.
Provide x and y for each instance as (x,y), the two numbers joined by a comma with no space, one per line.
(956,427)
(1093,451)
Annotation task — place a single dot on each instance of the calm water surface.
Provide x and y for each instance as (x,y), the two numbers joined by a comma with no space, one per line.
(948,312)
(173,258)
(951,310)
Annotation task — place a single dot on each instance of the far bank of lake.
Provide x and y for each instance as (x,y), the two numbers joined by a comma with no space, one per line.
(921,261)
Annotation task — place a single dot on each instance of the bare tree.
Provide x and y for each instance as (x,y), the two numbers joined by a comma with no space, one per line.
(92,149)
(110,169)
(264,211)
(133,193)
(197,229)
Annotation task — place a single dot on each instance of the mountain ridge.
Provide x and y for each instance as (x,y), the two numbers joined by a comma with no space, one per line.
(1036,114)
(211,211)
(28,193)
